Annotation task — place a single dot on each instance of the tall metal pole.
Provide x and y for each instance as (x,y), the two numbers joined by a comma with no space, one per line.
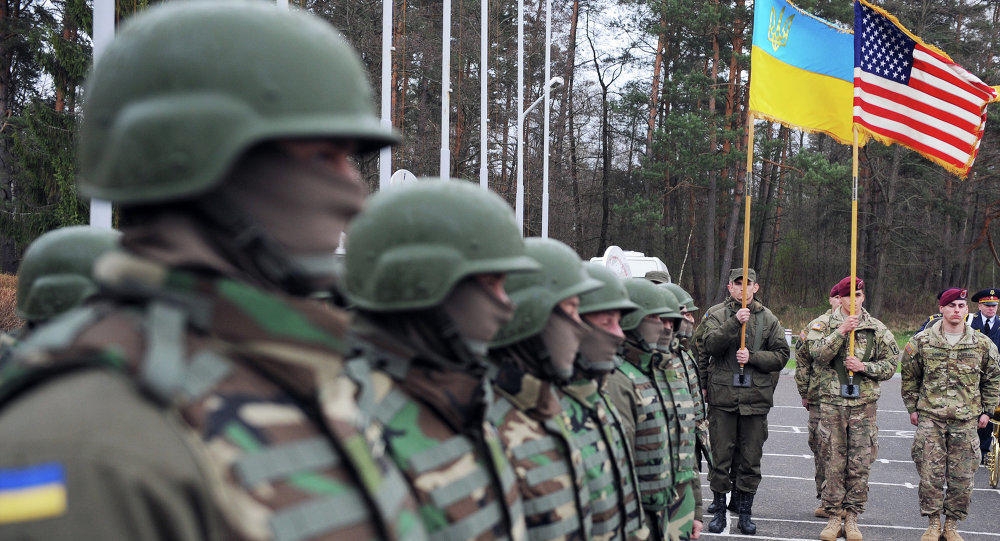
(545,121)
(104,32)
(445,89)
(385,154)
(484,8)
(519,194)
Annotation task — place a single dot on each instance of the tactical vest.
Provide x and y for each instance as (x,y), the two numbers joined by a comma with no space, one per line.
(625,458)
(215,353)
(668,375)
(694,382)
(549,468)
(467,490)
(652,447)
(612,489)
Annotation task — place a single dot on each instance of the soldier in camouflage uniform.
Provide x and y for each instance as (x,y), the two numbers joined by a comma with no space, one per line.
(195,398)
(428,287)
(643,407)
(55,275)
(684,513)
(951,382)
(595,422)
(737,415)
(535,354)
(847,430)
(808,390)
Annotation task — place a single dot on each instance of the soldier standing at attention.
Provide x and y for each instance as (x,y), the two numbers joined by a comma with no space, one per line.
(808,389)
(633,390)
(194,398)
(594,422)
(848,387)
(535,354)
(986,321)
(951,383)
(740,392)
(425,268)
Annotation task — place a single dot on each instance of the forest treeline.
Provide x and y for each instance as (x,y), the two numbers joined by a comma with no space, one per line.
(647,142)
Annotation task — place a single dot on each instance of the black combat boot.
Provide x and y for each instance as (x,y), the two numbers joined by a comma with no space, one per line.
(745,525)
(718,502)
(734,501)
(719,521)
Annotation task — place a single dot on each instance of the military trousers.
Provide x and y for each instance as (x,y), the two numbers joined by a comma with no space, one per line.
(814,446)
(946,456)
(848,439)
(737,446)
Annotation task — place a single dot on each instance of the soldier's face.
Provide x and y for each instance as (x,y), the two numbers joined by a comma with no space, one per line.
(845,301)
(608,321)
(987,310)
(736,289)
(955,312)
(571,307)
(493,283)
(668,324)
(835,302)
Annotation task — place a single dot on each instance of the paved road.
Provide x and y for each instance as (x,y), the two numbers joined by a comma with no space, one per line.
(786,499)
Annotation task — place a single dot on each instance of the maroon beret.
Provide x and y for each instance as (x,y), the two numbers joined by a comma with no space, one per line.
(843,287)
(952,294)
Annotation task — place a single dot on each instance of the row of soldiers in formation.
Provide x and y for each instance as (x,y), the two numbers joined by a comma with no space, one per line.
(212,382)
(950,387)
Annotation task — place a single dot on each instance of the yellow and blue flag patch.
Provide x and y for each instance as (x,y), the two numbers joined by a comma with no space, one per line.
(32,493)
(802,70)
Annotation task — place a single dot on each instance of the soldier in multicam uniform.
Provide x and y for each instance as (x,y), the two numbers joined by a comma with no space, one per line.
(640,401)
(684,513)
(951,382)
(985,320)
(808,389)
(195,399)
(428,287)
(534,354)
(55,275)
(848,432)
(737,415)
(595,422)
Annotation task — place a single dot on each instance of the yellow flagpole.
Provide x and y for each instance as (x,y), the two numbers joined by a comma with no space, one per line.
(854,241)
(746,222)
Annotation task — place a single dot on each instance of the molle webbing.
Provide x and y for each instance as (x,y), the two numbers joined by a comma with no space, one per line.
(652,449)
(625,463)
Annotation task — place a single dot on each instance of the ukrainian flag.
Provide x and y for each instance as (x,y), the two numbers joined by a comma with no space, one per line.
(802,70)
(32,493)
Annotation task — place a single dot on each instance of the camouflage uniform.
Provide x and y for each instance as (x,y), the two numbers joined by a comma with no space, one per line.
(949,386)
(806,385)
(847,431)
(670,377)
(636,396)
(610,476)
(434,423)
(738,415)
(702,446)
(244,433)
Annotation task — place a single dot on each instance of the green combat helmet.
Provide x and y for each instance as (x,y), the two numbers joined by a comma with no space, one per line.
(55,274)
(684,298)
(414,243)
(165,120)
(611,296)
(652,300)
(537,294)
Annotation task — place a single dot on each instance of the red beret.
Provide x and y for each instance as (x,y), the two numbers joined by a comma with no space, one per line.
(843,287)
(952,294)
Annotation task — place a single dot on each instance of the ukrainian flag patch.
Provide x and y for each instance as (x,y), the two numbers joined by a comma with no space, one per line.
(32,493)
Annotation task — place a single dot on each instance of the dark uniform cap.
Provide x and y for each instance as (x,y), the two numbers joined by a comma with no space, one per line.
(951,294)
(989,297)
(737,274)
(843,287)
(661,277)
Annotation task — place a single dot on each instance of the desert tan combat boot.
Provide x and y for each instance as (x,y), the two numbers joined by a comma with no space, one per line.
(951,530)
(834,528)
(821,512)
(851,530)
(933,532)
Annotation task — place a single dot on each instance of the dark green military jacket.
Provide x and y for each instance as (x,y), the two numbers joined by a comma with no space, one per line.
(718,339)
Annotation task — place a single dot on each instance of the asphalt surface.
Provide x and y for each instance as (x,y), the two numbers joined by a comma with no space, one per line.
(786,499)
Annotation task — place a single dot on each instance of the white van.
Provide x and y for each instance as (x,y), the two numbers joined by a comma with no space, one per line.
(627,264)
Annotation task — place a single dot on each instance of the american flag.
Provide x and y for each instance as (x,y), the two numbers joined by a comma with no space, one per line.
(910,93)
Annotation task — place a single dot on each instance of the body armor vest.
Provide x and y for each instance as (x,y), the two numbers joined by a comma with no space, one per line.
(613,500)
(227,361)
(627,466)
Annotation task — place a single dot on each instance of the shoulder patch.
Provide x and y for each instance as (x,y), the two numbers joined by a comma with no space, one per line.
(910,348)
(817,326)
(32,493)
